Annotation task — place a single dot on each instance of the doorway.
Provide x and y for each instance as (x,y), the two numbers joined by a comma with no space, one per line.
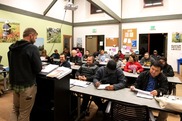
(94,43)
(154,41)
(67,42)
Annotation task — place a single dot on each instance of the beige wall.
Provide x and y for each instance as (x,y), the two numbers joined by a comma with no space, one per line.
(39,24)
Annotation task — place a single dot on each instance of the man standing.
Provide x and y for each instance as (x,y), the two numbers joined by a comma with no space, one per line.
(86,73)
(155,82)
(24,65)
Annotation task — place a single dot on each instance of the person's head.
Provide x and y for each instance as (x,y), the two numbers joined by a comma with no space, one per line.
(163,61)
(90,60)
(56,51)
(146,55)
(73,53)
(132,58)
(102,52)
(111,66)
(116,57)
(155,69)
(78,50)
(155,52)
(119,52)
(44,53)
(87,52)
(30,35)
(62,58)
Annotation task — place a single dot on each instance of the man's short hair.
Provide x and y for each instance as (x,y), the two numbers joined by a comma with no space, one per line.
(111,65)
(163,58)
(157,64)
(63,54)
(29,31)
(93,59)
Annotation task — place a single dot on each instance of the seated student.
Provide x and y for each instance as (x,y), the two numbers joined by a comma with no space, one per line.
(103,56)
(86,73)
(155,55)
(87,53)
(167,71)
(63,62)
(55,55)
(121,55)
(118,62)
(66,52)
(132,65)
(74,58)
(108,75)
(147,60)
(44,54)
(79,54)
(155,82)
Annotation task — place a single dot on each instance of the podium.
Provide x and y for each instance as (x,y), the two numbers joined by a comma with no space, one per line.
(53,101)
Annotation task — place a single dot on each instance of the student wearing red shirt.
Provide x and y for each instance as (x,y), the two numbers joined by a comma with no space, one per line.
(133,65)
(120,54)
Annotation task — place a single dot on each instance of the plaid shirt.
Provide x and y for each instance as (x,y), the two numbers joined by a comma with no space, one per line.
(19,88)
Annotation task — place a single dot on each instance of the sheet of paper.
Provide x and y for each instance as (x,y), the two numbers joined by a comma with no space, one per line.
(103,86)
(59,72)
(79,83)
(144,94)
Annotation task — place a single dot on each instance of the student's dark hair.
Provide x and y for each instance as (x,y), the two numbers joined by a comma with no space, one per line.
(111,65)
(157,64)
(119,51)
(116,56)
(93,59)
(63,54)
(29,31)
(133,55)
(163,58)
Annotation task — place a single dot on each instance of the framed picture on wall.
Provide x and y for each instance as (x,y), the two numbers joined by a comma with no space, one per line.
(53,35)
(9,31)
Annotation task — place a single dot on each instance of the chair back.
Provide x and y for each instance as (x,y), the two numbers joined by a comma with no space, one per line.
(129,112)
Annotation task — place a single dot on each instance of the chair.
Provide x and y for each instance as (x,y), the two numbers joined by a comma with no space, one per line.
(130,112)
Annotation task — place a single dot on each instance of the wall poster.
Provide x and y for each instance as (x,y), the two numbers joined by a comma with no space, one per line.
(177,37)
(129,38)
(9,31)
(53,35)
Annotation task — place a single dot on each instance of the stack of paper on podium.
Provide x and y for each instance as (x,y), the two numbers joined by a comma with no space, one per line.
(79,83)
(144,94)
(49,68)
(59,72)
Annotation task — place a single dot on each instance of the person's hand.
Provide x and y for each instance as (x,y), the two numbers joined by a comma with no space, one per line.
(138,72)
(129,71)
(80,77)
(84,78)
(154,92)
(110,87)
(97,84)
(132,88)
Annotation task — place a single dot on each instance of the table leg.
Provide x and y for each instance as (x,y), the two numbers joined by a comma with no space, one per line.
(78,107)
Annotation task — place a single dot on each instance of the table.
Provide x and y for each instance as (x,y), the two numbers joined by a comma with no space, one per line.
(129,97)
(173,79)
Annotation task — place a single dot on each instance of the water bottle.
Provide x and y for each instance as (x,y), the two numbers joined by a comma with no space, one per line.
(134,70)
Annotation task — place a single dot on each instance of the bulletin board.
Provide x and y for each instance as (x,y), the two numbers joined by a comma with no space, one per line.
(129,38)
(112,42)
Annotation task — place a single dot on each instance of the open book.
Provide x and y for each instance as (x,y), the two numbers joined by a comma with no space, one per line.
(59,72)
(144,94)
(103,86)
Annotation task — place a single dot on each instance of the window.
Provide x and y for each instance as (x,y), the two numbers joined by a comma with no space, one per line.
(151,3)
(95,9)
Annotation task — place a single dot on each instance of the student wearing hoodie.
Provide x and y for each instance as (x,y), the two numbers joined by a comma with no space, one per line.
(24,65)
